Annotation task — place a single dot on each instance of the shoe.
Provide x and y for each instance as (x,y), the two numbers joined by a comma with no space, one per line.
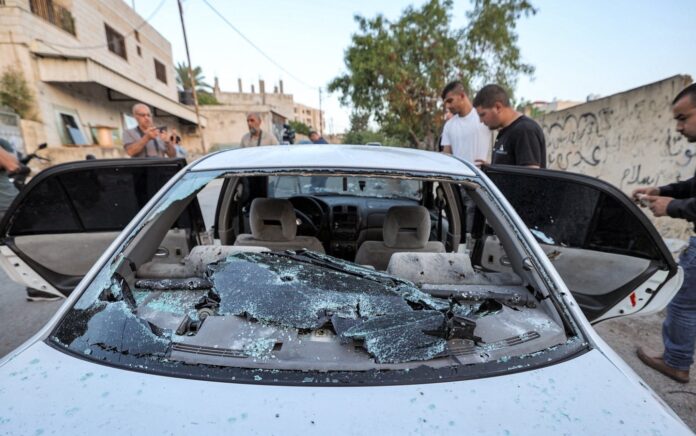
(657,363)
(36,295)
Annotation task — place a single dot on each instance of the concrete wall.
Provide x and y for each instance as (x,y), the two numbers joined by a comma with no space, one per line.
(627,139)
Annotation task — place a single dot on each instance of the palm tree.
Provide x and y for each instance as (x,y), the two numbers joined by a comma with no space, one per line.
(183,79)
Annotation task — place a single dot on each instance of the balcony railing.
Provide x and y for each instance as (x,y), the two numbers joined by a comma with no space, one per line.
(53,13)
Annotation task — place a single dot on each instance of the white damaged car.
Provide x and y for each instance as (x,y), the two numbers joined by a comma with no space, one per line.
(329,290)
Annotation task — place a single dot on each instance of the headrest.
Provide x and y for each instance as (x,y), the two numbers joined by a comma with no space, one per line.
(406,227)
(272,219)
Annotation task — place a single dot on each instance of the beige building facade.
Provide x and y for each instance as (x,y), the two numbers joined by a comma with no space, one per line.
(86,63)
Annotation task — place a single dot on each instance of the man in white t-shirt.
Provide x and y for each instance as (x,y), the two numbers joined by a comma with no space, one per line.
(464,136)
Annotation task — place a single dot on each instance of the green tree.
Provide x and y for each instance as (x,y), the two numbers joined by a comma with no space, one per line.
(300,127)
(15,93)
(360,132)
(396,70)
(183,80)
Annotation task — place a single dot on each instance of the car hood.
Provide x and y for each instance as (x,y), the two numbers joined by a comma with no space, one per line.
(44,390)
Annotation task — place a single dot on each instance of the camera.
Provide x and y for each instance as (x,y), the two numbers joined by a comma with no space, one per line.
(162,128)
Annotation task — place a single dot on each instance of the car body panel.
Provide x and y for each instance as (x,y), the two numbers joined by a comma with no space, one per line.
(74,396)
(335,157)
(591,393)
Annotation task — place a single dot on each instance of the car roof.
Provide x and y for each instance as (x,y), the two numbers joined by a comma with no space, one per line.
(349,157)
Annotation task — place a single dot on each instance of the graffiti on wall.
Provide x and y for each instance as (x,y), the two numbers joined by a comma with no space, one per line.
(627,139)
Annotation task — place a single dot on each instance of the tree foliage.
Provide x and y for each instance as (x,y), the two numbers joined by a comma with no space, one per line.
(300,127)
(361,133)
(396,70)
(183,78)
(15,93)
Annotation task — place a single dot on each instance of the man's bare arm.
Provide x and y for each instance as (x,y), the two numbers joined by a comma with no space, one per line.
(8,161)
(447,149)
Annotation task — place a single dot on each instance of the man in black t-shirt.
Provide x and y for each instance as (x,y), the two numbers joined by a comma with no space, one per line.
(520,139)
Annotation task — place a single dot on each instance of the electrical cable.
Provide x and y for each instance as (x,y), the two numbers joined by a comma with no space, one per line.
(257,47)
(92,47)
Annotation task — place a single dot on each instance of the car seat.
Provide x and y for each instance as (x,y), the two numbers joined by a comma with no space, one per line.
(406,229)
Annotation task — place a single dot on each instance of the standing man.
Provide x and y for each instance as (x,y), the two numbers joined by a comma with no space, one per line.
(316,138)
(463,135)
(520,140)
(146,140)
(256,136)
(677,200)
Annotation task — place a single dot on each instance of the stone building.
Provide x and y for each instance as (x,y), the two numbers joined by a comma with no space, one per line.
(87,62)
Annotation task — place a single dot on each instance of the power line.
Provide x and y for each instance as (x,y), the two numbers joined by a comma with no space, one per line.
(92,47)
(257,48)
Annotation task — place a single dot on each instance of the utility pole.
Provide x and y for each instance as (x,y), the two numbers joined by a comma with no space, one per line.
(321,122)
(199,129)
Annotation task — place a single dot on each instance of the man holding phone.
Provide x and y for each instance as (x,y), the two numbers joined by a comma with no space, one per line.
(146,140)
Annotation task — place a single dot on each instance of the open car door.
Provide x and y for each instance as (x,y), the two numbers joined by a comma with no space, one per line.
(67,216)
(607,251)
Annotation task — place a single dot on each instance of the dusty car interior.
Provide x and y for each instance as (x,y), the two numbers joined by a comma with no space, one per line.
(322,272)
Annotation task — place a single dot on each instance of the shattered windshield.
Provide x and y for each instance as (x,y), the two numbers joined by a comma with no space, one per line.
(216,306)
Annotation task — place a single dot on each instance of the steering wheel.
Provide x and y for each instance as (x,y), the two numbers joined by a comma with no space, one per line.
(310,213)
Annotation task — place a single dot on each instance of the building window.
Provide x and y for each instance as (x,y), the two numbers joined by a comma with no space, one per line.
(160,71)
(115,41)
(137,35)
(53,13)
(139,50)
(69,127)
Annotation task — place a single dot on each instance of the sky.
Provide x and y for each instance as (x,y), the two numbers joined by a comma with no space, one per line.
(578,48)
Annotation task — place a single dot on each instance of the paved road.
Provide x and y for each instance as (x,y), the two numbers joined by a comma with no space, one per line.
(20,319)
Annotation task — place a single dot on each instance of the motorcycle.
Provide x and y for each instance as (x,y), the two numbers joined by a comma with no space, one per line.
(19,177)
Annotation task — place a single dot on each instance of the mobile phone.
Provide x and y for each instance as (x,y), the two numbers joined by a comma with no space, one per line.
(162,128)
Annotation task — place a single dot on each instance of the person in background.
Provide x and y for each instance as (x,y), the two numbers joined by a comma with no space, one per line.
(677,200)
(146,140)
(520,139)
(463,135)
(316,138)
(256,136)
(8,165)
(176,139)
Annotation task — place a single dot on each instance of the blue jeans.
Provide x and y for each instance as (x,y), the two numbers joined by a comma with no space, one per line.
(679,328)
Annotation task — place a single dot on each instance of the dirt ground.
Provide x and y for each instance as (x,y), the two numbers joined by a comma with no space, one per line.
(624,335)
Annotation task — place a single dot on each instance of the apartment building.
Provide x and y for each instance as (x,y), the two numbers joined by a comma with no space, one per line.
(87,62)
